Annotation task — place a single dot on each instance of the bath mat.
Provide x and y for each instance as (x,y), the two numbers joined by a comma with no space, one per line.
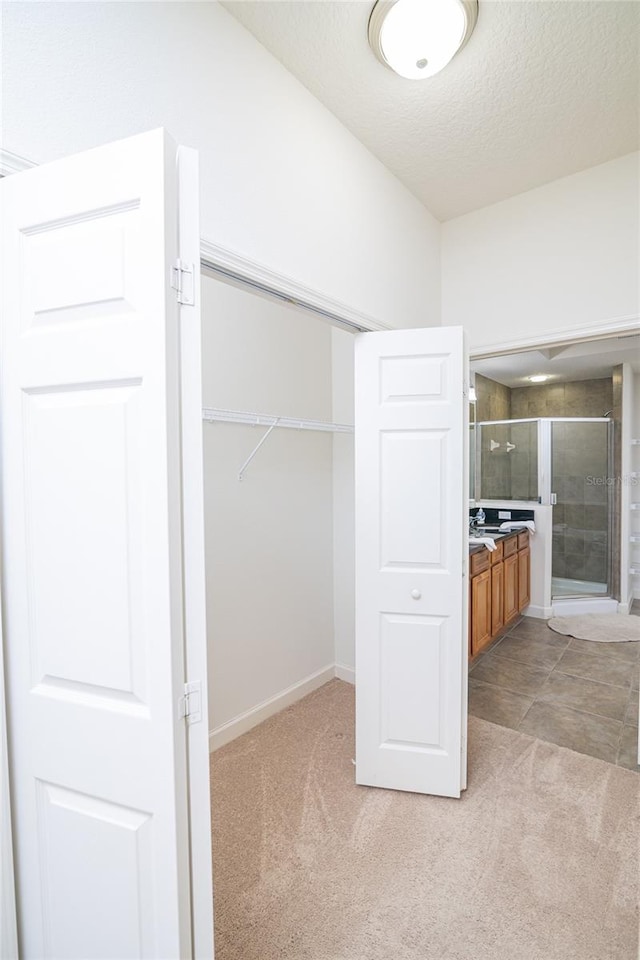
(601,627)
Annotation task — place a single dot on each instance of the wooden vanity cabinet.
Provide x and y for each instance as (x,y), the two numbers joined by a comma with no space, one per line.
(499,588)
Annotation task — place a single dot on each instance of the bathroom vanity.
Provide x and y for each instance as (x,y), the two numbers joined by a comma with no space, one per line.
(499,586)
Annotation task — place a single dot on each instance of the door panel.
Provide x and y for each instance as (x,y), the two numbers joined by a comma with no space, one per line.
(411,591)
(92,554)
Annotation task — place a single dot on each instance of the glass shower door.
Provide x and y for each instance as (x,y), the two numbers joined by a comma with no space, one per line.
(581,491)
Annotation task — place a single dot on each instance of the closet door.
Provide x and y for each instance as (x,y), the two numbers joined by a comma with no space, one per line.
(92,553)
(411,551)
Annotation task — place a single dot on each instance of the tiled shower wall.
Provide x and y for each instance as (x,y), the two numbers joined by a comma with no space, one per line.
(494,399)
(580,398)
(510,474)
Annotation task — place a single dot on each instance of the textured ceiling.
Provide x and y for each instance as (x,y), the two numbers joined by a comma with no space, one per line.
(544,88)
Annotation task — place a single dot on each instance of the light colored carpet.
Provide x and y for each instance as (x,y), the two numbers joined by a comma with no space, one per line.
(601,627)
(537,861)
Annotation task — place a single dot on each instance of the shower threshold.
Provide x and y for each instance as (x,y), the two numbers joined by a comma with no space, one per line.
(564,588)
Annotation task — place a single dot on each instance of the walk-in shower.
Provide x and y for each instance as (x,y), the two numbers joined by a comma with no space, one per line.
(567,464)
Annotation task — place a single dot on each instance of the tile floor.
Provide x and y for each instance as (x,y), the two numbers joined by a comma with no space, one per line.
(575,693)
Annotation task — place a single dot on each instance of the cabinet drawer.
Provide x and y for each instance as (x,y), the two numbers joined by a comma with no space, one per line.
(497,554)
(510,546)
(478,562)
(523,540)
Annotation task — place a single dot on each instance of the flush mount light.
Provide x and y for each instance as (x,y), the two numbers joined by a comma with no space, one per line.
(417,38)
(539,378)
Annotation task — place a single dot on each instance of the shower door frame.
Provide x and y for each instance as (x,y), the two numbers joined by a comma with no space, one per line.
(477,470)
(545,454)
(545,493)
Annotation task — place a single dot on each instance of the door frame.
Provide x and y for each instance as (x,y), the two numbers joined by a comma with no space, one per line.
(225,262)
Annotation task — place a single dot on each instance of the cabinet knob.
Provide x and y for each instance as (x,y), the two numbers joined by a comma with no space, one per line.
(416,594)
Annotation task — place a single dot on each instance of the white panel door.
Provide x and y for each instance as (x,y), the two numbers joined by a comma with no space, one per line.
(411,587)
(92,554)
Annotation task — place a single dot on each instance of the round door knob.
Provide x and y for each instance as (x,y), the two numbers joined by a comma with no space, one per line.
(416,594)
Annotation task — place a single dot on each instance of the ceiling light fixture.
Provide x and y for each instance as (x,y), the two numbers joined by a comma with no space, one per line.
(418,38)
(539,378)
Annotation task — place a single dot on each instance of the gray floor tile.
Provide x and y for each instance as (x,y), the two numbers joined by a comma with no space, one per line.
(537,630)
(497,705)
(577,693)
(511,674)
(628,750)
(601,699)
(595,736)
(621,651)
(536,652)
(604,669)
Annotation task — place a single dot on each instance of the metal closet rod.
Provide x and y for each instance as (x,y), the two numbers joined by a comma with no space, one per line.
(275,294)
(213,414)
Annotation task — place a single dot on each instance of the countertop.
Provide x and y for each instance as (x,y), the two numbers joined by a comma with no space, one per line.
(473,548)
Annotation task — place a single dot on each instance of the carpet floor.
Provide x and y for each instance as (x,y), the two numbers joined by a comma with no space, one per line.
(537,861)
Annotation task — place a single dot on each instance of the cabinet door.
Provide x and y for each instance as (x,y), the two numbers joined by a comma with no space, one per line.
(510,587)
(497,598)
(523,578)
(480,611)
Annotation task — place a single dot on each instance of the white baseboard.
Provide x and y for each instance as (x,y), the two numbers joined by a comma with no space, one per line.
(246,721)
(571,608)
(538,613)
(624,607)
(343,672)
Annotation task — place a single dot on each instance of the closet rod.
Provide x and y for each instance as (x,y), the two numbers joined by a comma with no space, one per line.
(212,414)
(275,294)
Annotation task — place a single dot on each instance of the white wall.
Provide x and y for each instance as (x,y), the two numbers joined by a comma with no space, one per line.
(269,537)
(282,180)
(558,257)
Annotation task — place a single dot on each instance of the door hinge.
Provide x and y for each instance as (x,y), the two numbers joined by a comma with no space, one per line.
(190,705)
(183,282)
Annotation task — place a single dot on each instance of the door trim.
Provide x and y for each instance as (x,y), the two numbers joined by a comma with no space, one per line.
(565,336)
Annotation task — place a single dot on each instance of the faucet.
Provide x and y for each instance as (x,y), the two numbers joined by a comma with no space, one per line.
(477,521)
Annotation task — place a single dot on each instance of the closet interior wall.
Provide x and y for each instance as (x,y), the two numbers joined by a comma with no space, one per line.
(271,538)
